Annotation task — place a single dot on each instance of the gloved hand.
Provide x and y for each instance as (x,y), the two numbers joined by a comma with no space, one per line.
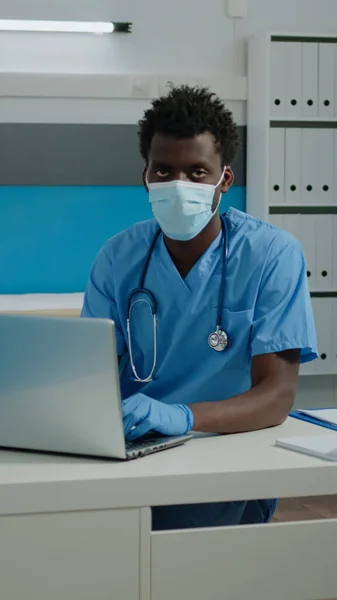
(145,414)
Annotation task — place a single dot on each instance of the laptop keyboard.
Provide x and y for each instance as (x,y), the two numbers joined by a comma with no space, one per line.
(149,439)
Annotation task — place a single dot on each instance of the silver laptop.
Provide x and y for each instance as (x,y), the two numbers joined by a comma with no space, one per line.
(59,389)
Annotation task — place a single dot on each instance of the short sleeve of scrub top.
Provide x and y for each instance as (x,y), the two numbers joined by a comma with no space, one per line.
(283,317)
(99,298)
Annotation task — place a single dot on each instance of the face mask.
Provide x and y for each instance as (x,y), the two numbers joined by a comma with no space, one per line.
(183,208)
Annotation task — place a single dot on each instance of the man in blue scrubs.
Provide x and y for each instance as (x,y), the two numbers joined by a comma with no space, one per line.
(188,141)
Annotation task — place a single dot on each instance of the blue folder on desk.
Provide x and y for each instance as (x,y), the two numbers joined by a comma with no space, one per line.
(319,421)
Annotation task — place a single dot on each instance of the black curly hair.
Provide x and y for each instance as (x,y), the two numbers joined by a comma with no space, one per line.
(186,112)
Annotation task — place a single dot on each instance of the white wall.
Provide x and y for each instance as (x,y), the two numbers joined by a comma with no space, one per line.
(175,36)
(172,36)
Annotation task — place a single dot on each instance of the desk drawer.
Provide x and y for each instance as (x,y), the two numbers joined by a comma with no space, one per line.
(84,555)
(259,562)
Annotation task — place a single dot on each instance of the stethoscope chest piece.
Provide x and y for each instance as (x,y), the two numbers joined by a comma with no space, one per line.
(218,340)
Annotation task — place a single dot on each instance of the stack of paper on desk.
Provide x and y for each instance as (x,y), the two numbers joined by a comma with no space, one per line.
(322,446)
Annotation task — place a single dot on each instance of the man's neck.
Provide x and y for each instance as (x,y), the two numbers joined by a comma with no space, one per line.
(186,254)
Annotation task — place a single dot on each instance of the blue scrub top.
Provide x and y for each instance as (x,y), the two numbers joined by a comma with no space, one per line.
(267,308)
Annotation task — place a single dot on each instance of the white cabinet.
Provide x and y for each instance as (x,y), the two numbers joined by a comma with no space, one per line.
(292,180)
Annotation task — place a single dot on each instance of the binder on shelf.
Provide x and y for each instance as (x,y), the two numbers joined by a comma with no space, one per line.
(276,220)
(293,84)
(326,79)
(322,311)
(307,230)
(309,79)
(334,193)
(309,178)
(334,333)
(291,223)
(312,368)
(323,227)
(276,155)
(335,99)
(303,228)
(334,256)
(277,79)
(325,161)
(293,157)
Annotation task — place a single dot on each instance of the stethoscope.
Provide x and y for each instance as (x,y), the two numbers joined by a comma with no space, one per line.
(217,340)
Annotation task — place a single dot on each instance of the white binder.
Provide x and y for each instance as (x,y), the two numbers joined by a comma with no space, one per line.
(312,367)
(324,140)
(277,79)
(309,368)
(323,226)
(309,187)
(334,256)
(334,194)
(276,155)
(307,237)
(322,312)
(334,333)
(276,220)
(293,154)
(291,223)
(335,102)
(302,227)
(309,79)
(326,79)
(293,87)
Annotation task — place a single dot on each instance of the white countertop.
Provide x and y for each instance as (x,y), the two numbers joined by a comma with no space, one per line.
(236,467)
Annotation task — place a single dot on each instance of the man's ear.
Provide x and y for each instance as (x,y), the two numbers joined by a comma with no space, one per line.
(228,180)
(144,179)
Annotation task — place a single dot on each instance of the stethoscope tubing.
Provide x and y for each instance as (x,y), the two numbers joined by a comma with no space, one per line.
(150,299)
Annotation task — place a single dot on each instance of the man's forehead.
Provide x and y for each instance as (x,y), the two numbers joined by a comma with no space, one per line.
(200,148)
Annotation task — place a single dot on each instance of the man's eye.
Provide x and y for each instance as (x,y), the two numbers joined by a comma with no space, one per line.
(199,174)
(161,173)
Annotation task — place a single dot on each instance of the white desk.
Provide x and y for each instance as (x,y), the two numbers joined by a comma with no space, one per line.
(63,305)
(80,529)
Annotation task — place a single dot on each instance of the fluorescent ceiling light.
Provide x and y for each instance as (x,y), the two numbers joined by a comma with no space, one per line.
(61,26)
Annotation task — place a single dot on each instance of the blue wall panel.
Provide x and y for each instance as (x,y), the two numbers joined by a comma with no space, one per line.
(49,236)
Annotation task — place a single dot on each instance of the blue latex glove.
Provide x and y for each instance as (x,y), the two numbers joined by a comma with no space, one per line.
(145,414)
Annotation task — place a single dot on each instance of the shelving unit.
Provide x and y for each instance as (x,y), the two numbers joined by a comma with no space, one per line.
(292,162)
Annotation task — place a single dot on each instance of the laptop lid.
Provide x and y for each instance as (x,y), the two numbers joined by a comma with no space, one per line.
(59,386)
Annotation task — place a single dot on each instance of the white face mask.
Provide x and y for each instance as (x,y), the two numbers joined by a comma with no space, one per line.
(183,208)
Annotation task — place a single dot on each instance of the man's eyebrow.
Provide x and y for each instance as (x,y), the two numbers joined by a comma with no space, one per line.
(200,165)
(158,163)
